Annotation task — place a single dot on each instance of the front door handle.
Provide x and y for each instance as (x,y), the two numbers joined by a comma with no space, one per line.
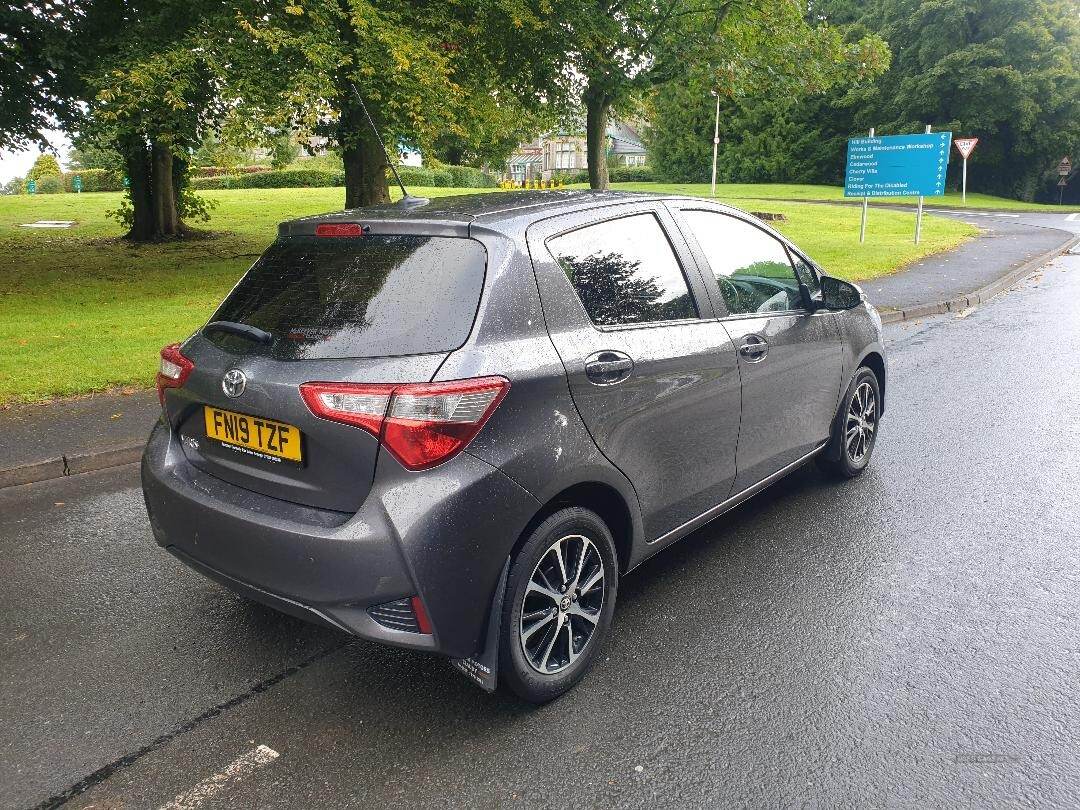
(754,348)
(608,368)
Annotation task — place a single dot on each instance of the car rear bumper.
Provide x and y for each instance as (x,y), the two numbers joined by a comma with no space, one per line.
(443,535)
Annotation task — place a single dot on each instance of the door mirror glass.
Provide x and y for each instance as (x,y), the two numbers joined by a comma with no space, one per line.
(837,294)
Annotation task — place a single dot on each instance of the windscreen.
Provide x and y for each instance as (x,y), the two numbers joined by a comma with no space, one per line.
(370,296)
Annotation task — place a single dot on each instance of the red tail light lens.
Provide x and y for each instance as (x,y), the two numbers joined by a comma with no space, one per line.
(422,424)
(339,229)
(173,370)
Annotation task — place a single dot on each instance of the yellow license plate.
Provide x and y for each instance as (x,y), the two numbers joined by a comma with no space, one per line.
(256,433)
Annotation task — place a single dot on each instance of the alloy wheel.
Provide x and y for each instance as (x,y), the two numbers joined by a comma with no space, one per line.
(562,604)
(861,423)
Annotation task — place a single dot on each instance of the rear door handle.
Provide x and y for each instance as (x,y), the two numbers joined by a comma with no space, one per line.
(754,348)
(608,368)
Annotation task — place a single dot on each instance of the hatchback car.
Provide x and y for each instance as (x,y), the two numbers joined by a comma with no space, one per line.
(455,427)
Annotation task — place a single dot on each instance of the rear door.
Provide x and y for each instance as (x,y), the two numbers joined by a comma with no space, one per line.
(381,308)
(790,359)
(652,374)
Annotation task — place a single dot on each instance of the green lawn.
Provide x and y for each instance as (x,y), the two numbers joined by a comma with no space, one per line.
(787,191)
(81,310)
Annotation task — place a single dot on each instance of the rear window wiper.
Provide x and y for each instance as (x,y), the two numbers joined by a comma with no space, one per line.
(243,330)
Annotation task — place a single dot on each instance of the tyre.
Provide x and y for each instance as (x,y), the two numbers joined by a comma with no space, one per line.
(560,597)
(855,427)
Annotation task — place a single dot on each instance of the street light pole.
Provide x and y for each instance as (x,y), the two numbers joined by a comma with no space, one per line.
(715,139)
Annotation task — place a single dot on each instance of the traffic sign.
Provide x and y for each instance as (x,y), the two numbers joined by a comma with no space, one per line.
(77,184)
(966,146)
(897,165)
(1065,167)
(31,187)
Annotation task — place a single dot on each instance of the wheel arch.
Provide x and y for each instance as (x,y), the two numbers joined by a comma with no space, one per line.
(601,498)
(874,361)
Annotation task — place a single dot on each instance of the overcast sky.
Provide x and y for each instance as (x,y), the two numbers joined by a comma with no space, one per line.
(17,164)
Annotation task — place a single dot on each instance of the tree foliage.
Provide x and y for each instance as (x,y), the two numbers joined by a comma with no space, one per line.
(36,68)
(425,71)
(1005,71)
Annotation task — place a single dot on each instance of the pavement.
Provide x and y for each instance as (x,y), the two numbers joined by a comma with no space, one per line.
(44,441)
(906,639)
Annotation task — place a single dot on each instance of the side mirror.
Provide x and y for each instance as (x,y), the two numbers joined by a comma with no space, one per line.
(810,304)
(838,295)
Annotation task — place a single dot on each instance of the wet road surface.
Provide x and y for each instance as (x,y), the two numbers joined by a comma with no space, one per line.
(909,638)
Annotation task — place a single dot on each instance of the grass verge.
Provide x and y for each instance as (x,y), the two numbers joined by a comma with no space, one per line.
(81,310)
(810,193)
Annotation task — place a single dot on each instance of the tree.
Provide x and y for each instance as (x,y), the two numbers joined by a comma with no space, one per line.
(45,166)
(152,92)
(416,65)
(624,48)
(36,83)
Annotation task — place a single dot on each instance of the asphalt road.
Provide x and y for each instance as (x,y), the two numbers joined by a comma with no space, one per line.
(910,638)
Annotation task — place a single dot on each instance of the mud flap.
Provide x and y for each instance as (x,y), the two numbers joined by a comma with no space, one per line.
(483,669)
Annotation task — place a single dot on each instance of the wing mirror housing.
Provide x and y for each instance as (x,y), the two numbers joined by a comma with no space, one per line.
(839,295)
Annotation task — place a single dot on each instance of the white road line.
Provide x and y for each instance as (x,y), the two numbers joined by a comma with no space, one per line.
(1072,217)
(238,770)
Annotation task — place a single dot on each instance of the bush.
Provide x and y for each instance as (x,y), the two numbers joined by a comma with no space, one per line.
(286,178)
(218,171)
(16,185)
(94,180)
(411,176)
(50,184)
(470,177)
(629,174)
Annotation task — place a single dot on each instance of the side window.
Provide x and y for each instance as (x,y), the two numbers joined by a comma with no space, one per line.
(805,272)
(751,266)
(625,271)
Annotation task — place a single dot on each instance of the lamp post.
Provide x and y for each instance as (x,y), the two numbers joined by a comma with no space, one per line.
(715,138)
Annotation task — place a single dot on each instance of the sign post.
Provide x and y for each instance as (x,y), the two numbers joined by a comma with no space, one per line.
(865,203)
(1064,170)
(965,146)
(918,216)
(31,187)
(77,184)
(897,166)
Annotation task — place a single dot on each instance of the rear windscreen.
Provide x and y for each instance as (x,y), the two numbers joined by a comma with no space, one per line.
(369,296)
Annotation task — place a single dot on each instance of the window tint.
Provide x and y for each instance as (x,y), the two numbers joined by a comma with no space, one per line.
(625,271)
(370,296)
(751,266)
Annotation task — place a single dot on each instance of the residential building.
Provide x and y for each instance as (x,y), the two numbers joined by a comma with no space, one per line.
(565,153)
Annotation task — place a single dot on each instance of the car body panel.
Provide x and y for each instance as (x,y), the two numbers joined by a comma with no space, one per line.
(445,534)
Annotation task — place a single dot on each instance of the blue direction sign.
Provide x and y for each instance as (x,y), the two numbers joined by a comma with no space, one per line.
(897,165)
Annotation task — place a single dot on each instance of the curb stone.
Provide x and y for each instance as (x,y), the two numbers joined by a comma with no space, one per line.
(64,466)
(983,294)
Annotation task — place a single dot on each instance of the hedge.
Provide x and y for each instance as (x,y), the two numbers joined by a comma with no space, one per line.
(620,174)
(218,171)
(443,176)
(283,178)
(94,180)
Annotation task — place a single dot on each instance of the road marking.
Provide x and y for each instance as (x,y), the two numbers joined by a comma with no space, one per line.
(1072,217)
(972,213)
(237,771)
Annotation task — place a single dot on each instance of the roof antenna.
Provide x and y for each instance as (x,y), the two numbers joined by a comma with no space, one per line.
(407,200)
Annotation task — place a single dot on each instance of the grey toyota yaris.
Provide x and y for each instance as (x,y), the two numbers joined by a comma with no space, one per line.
(453,427)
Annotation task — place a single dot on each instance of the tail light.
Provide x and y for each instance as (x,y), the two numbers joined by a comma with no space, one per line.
(173,370)
(422,424)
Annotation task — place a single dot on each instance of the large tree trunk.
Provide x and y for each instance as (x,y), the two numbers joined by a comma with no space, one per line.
(137,159)
(597,105)
(365,175)
(365,163)
(153,176)
(166,217)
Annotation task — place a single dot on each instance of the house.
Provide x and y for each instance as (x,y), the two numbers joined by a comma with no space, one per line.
(563,152)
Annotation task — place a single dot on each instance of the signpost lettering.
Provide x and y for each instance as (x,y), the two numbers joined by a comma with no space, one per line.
(897,166)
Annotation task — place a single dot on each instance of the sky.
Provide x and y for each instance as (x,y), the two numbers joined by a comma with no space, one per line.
(17,164)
